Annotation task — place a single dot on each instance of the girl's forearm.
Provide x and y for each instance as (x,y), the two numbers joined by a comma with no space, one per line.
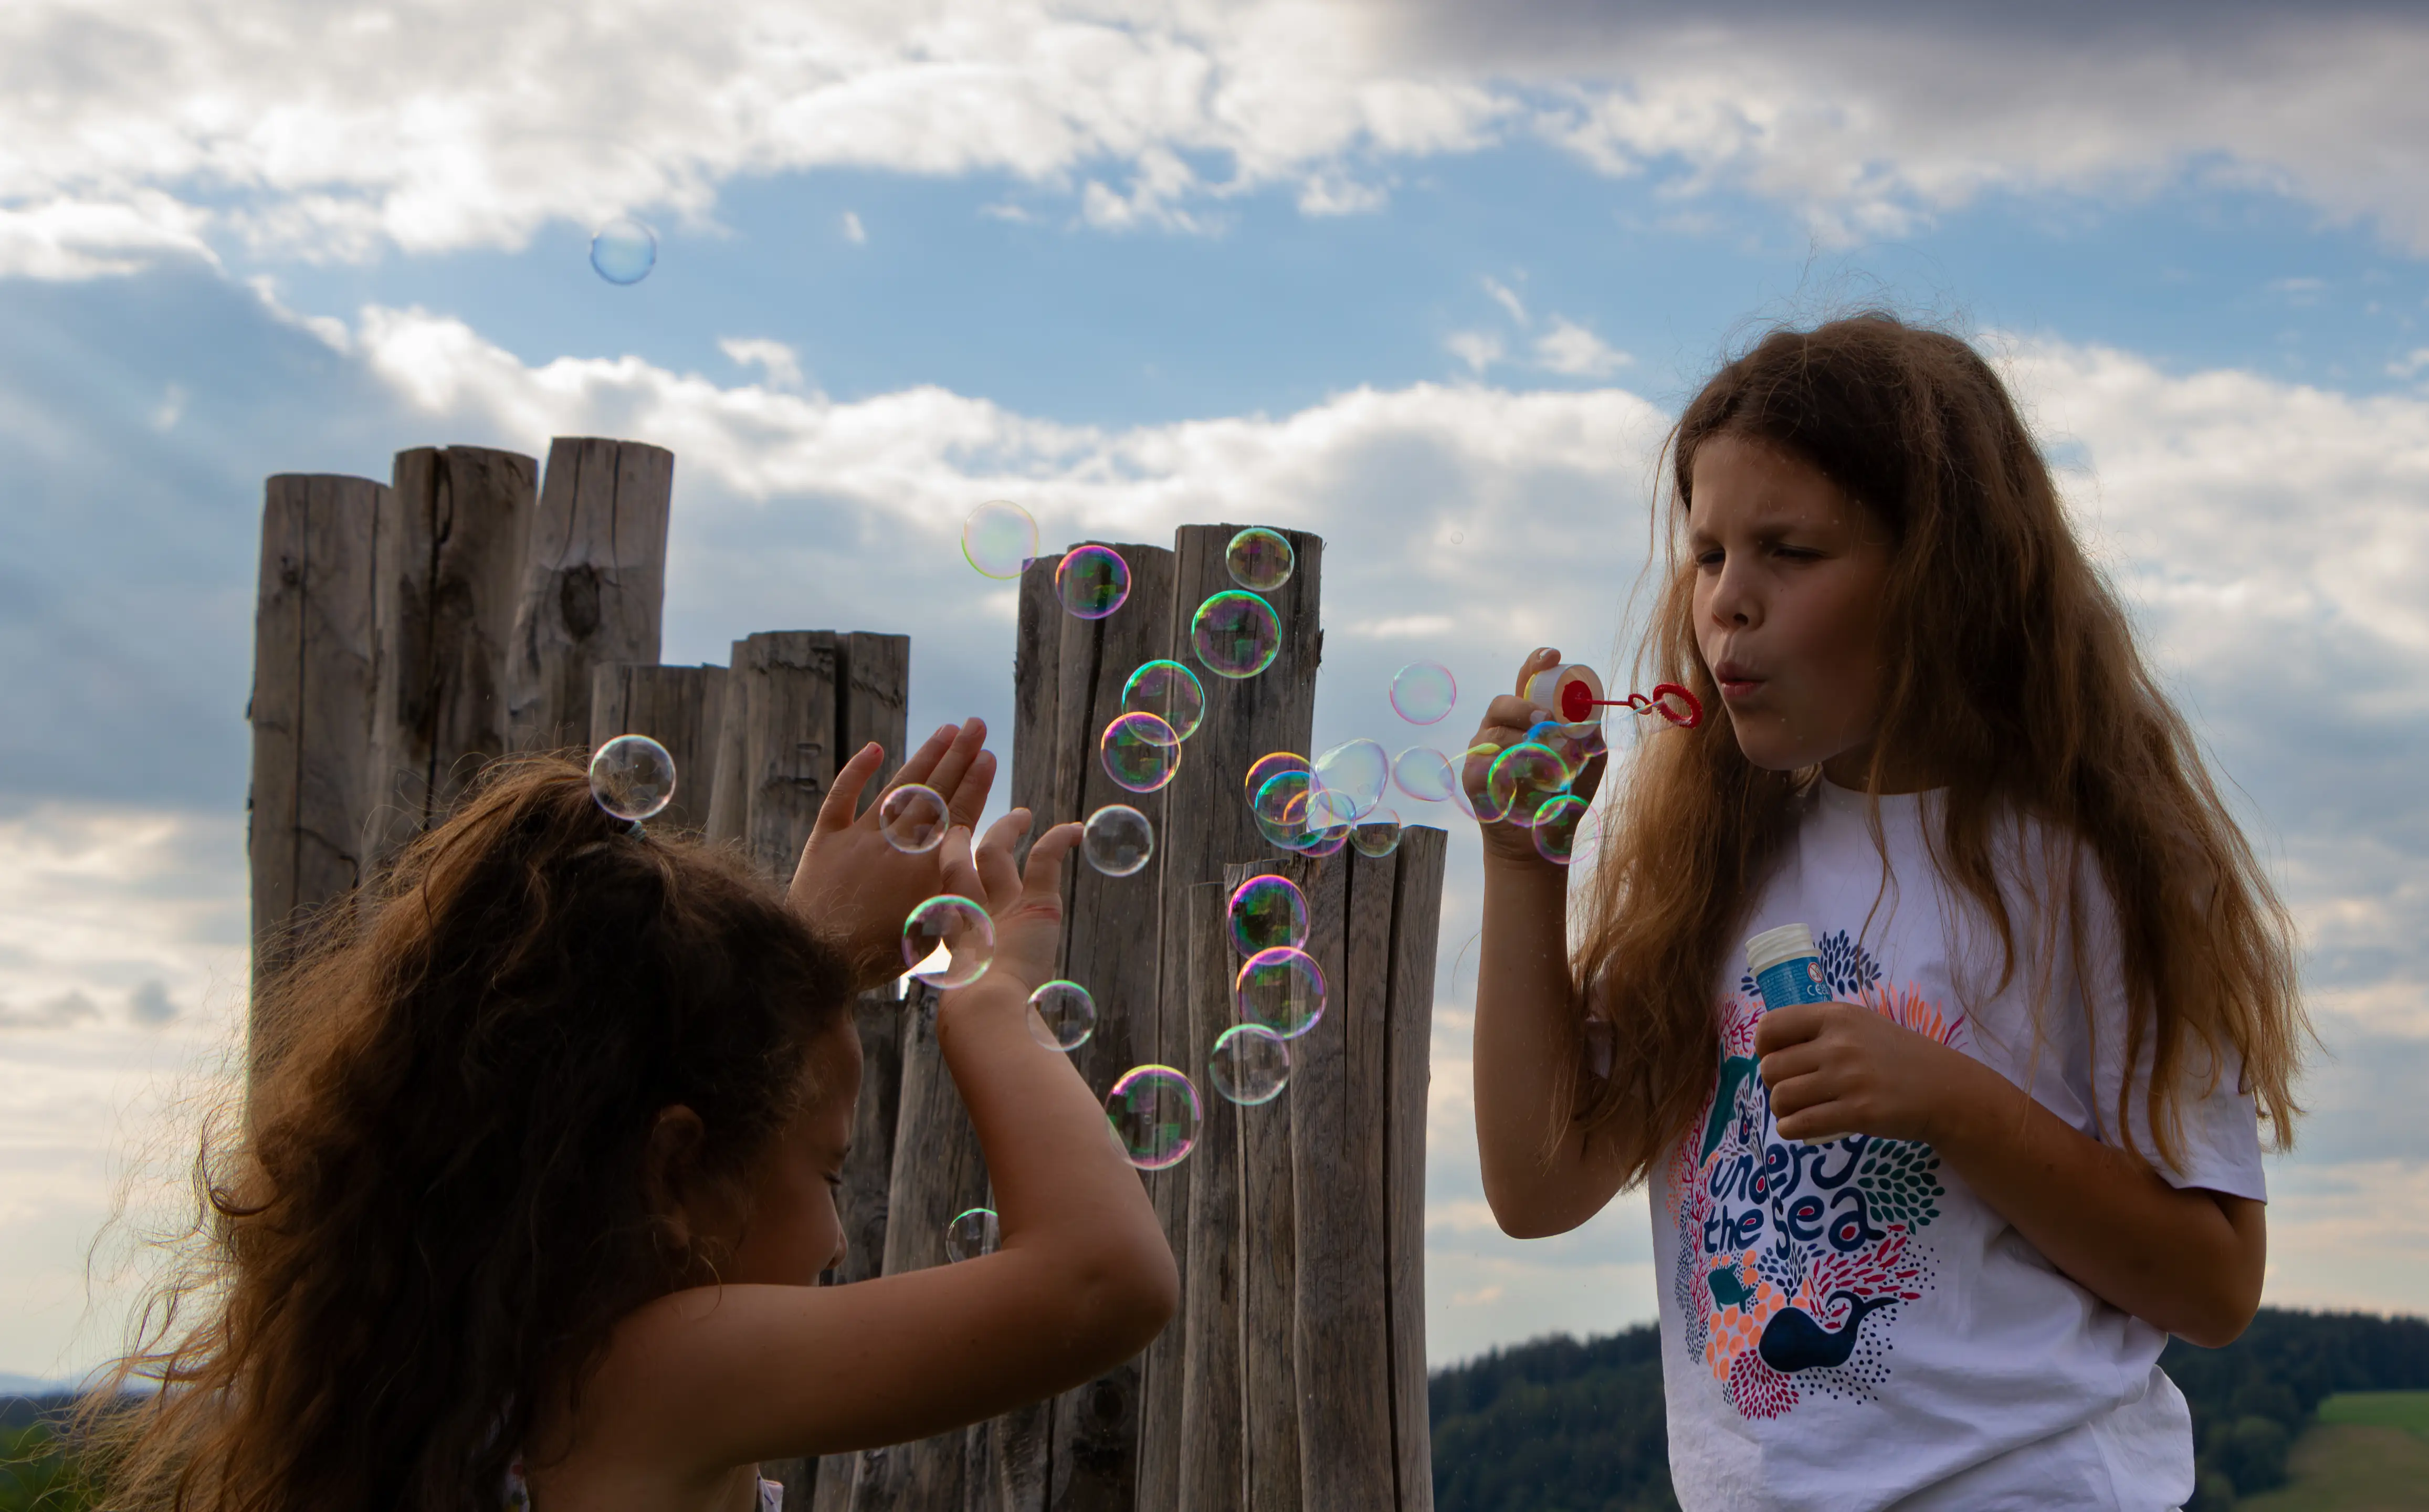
(2180,1258)
(1524,1043)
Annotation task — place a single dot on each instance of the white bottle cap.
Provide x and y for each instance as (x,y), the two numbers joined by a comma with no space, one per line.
(1773,946)
(1546,687)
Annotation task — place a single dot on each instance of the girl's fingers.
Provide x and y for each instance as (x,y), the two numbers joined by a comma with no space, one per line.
(996,871)
(956,870)
(921,764)
(1510,711)
(842,802)
(955,763)
(967,799)
(1540,659)
(1045,875)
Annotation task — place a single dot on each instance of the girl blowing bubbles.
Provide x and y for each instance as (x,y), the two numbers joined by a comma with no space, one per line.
(1921,1245)
(538,1171)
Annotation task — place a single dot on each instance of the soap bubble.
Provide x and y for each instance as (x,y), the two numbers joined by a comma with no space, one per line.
(1424,774)
(1154,1112)
(1000,538)
(971,1235)
(633,778)
(913,817)
(1349,783)
(1260,558)
(1265,768)
(1473,793)
(1140,752)
(1117,839)
(949,942)
(1268,911)
(1236,634)
(1556,827)
(1281,989)
(1575,744)
(1323,840)
(1521,778)
(1423,691)
(1378,834)
(624,250)
(1281,808)
(1168,690)
(1250,1064)
(1091,581)
(1065,1016)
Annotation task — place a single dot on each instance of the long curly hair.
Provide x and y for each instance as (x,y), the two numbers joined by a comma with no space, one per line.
(2019,685)
(432,1208)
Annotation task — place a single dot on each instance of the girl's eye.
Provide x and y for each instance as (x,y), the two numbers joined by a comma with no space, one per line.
(1708,558)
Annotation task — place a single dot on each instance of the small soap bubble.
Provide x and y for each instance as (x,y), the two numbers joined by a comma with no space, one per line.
(1154,1112)
(1523,778)
(1424,774)
(1266,912)
(1281,989)
(1250,1064)
(949,942)
(1065,1016)
(1575,744)
(1141,753)
(971,1235)
(913,817)
(624,251)
(1473,794)
(1261,560)
(1265,768)
(1091,581)
(1325,841)
(1236,634)
(1281,808)
(1117,839)
(1000,538)
(633,778)
(1424,691)
(1378,834)
(1349,783)
(1556,827)
(1168,690)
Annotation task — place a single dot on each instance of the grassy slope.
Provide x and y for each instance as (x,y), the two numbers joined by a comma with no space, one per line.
(2370,1452)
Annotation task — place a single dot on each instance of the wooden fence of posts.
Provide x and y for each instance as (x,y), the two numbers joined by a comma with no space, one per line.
(407,633)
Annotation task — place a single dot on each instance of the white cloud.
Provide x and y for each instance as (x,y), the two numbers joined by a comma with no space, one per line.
(86,238)
(853,231)
(1570,349)
(1480,350)
(779,362)
(1503,295)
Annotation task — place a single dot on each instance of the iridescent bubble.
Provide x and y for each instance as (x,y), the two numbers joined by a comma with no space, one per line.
(1260,558)
(1349,783)
(1000,538)
(1575,744)
(1154,1112)
(633,778)
(1556,827)
(1523,778)
(1168,690)
(1117,839)
(1326,840)
(913,817)
(1236,634)
(1065,1016)
(1281,989)
(949,942)
(1473,794)
(1281,808)
(1091,581)
(1424,691)
(1141,753)
(624,251)
(1424,774)
(1265,768)
(971,1233)
(1266,912)
(1250,1064)
(1378,834)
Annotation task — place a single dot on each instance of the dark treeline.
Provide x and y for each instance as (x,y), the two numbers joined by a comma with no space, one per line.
(1562,1426)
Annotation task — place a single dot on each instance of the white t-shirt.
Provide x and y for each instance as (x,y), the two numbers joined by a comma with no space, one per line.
(1847,1326)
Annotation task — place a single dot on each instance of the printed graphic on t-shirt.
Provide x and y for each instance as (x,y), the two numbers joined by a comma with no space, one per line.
(1800,1257)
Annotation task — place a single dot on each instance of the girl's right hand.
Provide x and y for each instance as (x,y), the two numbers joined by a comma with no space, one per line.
(1506,722)
(1026,906)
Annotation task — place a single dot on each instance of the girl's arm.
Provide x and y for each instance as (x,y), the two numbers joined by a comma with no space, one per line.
(1542,1176)
(1082,1281)
(2184,1260)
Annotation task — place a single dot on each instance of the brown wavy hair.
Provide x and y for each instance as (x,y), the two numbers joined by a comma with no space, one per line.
(2019,687)
(433,1209)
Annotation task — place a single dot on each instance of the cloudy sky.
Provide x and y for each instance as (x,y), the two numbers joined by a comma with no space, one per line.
(1428,284)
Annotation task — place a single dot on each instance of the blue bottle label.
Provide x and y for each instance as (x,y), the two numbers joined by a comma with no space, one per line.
(1798,980)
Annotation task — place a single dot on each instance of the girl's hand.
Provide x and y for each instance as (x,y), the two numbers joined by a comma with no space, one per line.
(1506,722)
(855,887)
(1027,908)
(1839,1068)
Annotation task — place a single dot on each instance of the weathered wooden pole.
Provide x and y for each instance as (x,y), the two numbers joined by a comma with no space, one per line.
(796,704)
(593,583)
(682,708)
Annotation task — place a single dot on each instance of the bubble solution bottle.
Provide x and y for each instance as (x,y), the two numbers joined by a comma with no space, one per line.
(1785,968)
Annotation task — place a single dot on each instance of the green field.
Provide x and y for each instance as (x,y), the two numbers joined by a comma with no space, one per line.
(2370,1452)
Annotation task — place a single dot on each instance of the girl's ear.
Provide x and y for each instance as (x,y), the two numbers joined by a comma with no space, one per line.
(668,1175)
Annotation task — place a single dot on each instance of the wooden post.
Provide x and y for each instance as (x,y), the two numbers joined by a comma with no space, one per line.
(451,556)
(593,584)
(682,708)
(792,701)
(314,672)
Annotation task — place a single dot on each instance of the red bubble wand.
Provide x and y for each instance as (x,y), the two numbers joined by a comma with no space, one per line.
(1575,691)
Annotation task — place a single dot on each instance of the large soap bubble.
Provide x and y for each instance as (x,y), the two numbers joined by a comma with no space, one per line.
(1000,538)
(1117,839)
(633,778)
(1281,989)
(1141,753)
(1265,913)
(1091,581)
(1260,559)
(1065,1016)
(1236,634)
(949,942)
(1154,1111)
(1168,690)
(1424,774)
(913,817)
(1424,691)
(1349,783)
(1250,1064)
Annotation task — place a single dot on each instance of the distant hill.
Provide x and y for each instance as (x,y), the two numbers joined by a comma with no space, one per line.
(1563,1427)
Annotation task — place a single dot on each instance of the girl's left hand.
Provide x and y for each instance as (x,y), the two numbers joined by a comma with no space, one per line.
(1837,1069)
(855,887)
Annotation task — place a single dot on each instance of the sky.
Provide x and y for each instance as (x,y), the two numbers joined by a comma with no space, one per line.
(1427,280)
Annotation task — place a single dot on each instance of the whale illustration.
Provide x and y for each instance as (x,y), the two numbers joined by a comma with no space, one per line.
(1793,1341)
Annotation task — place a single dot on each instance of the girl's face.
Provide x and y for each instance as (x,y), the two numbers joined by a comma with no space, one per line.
(794,1231)
(1789,575)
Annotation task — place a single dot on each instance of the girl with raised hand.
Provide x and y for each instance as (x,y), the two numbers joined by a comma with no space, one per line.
(528,1204)
(1921,1245)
